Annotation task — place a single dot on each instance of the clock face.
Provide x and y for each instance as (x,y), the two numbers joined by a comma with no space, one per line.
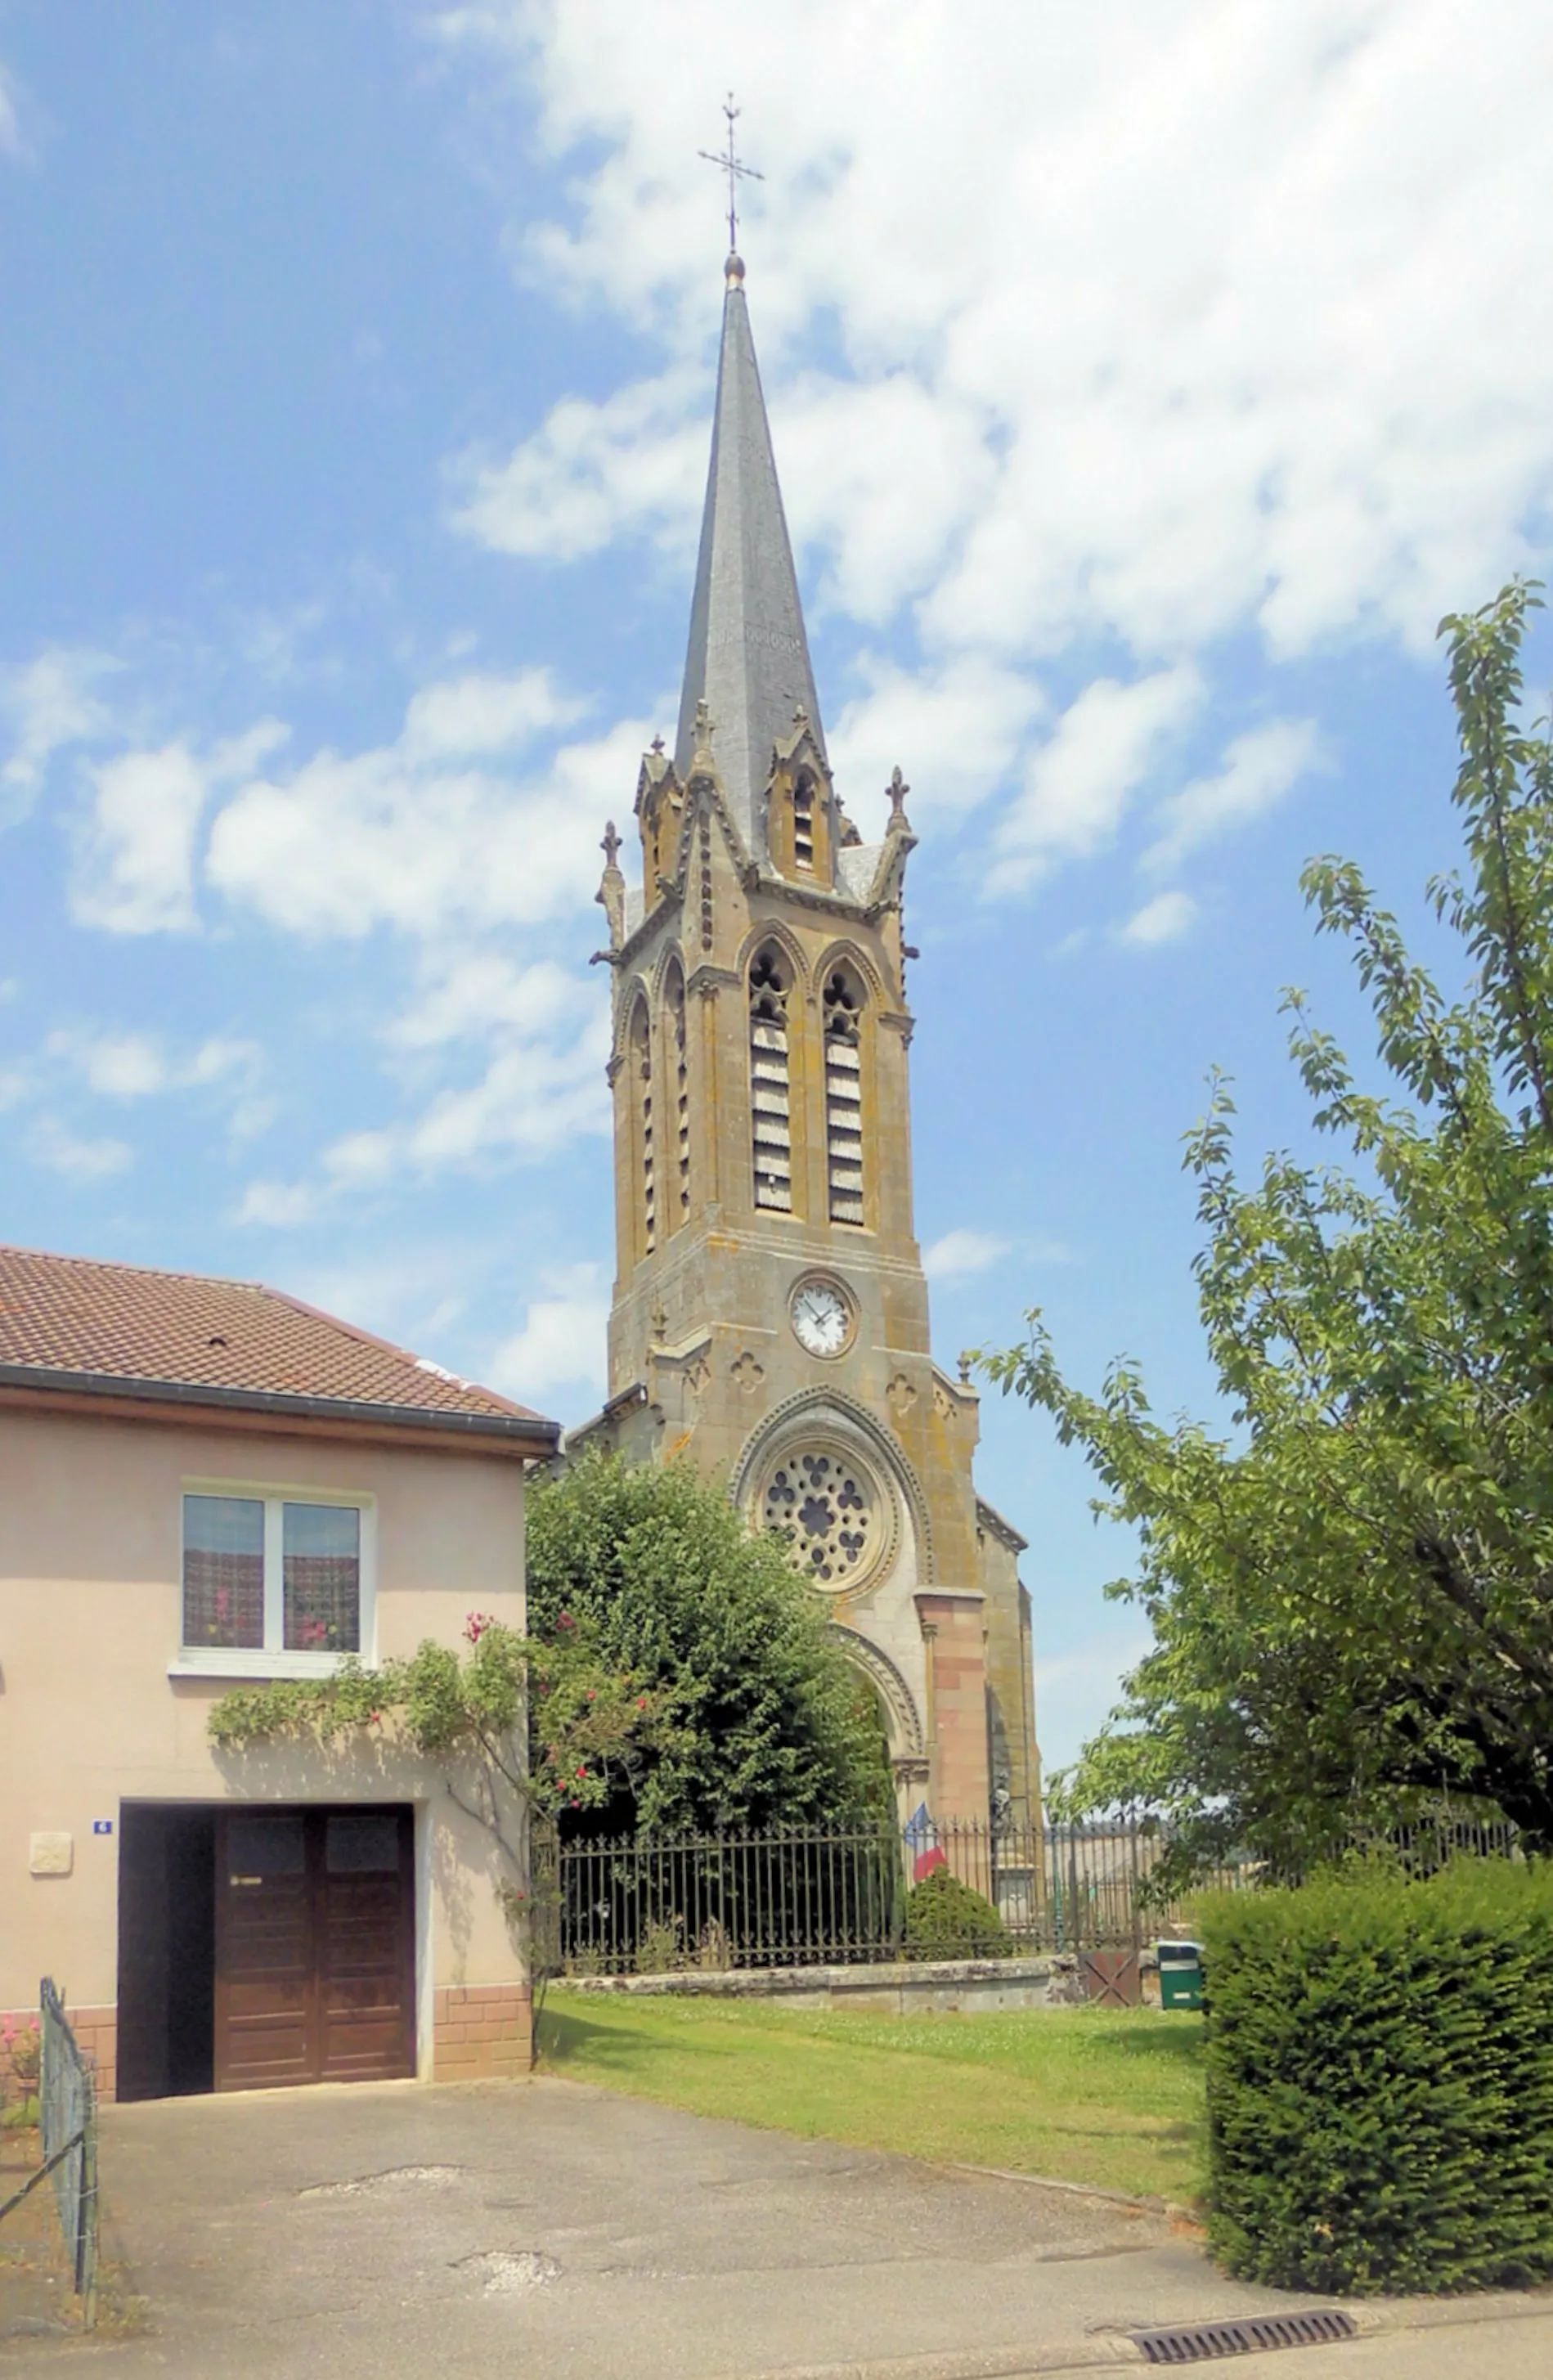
(822,1318)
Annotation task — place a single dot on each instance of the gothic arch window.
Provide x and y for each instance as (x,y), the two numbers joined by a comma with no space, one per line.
(639,1059)
(844,1094)
(679,1070)
(770,985)
(802,823)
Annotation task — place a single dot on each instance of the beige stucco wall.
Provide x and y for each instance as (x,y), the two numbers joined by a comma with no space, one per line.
(90,1614)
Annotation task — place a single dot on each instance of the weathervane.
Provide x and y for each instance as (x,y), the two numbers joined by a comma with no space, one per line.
(733,165)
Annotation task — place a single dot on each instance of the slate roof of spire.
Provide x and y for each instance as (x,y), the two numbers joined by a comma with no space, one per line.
(749,656)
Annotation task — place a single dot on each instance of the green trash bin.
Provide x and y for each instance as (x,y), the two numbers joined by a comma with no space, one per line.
(1180,1975)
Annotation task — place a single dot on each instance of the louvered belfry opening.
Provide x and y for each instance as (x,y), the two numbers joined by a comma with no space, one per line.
(843,1097)
(642,1069)
(770,1100)
(682,1099)
(802,823)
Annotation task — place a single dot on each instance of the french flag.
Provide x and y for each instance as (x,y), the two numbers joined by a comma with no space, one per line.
(919,1832)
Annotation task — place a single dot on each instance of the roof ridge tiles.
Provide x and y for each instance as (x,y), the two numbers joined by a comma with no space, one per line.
(99,1320)
(152,1272)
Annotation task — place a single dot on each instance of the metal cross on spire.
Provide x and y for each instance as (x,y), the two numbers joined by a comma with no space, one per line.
(736,170)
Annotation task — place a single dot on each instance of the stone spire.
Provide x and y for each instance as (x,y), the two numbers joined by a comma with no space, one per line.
(748,658)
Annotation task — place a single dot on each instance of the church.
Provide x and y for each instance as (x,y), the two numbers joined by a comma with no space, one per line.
(770,1317)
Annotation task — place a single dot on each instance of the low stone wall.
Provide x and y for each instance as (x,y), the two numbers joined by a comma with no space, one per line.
(926,1986)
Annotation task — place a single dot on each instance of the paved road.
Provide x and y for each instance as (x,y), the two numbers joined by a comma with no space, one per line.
(551,2229)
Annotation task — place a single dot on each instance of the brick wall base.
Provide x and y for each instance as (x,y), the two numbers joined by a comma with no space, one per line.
(96,2031)
(481,2030)
(477,2031)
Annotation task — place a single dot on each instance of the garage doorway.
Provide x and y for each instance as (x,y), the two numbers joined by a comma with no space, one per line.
(263,1945)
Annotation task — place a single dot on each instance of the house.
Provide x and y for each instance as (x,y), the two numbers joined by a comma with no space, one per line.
(204,1481)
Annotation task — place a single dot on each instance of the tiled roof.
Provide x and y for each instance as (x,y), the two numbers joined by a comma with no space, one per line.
(182,1331)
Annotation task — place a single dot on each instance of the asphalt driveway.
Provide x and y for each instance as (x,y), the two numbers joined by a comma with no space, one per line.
(548,2228)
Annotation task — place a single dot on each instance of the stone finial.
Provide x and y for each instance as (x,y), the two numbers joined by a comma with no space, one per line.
(897,789)
(703,729)
(965,1368)
(611,891)
(657,744)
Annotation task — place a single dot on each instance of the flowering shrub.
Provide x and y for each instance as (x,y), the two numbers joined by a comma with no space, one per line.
(595,1722)
(21,2057)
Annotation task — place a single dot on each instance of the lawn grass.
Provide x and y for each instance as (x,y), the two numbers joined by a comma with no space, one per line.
(1110,2097)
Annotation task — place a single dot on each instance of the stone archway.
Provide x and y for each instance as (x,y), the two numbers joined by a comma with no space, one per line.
(903,1721)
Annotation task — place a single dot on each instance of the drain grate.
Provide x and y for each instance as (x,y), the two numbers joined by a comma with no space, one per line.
(1207,2339)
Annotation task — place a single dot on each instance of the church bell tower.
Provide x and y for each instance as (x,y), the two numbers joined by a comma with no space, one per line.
(770,1319)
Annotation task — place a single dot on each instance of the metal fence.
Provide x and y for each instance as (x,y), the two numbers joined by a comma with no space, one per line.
(801,1898)
(827,1896)
(68,2116)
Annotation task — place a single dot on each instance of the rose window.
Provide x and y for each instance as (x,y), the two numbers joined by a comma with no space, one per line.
(827,1507)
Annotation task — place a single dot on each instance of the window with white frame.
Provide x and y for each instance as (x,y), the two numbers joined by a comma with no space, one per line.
(273,1574)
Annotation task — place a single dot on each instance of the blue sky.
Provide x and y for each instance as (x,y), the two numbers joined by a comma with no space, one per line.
(1145,384)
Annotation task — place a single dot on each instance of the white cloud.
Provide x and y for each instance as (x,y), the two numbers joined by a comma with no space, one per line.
(279,1206)
(1259,768)
(397,837)
(958,730)
(563,1336)
(11,142)
(1163,919)
(134,870)
(51,1144)
(544,1042)
(962,1253)
(538,1091)
(48,703)
(1184,323)
(470,994)
(137,1065)
(1078,784)
(593,472)
(489,714)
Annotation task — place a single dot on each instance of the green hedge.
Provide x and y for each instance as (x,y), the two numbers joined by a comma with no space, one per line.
(1380,2080)
(945,1919)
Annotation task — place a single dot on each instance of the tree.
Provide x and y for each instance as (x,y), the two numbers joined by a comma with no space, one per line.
(1352,1596)
(761,1720)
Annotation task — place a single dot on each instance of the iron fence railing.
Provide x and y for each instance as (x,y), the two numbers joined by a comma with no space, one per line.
(797,1898)
(839,1897)
(67,2119)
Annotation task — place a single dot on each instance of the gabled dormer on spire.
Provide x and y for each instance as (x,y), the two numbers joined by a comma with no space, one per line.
(748,658)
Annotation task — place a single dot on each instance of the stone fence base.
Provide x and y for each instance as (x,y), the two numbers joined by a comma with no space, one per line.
(910,1988)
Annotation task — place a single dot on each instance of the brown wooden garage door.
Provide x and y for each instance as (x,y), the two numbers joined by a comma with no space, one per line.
(314,1946)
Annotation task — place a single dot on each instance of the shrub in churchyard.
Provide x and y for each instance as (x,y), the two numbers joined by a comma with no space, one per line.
(1380,2079)
(760,1719)
(946,1918)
